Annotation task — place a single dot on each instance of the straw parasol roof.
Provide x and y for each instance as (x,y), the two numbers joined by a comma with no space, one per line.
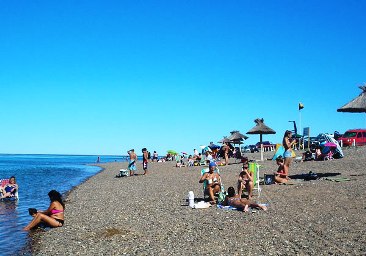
(260,128)
(357,105)
(224,140)
(237,136)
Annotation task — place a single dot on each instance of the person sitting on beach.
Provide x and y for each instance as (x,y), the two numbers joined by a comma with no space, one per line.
(242,204)
(53,216)
(280,175)
(132,162)
(155,156)
(318,153)
(213,180)
(245,181)
(9,189)
(208,157)
(190,161)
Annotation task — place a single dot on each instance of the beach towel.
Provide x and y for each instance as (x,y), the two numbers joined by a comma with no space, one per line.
(201,205)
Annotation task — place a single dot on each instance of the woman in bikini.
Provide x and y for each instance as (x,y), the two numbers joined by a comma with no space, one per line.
(53,216)
(280,175)
(287,143)
(243,204)
(245,181)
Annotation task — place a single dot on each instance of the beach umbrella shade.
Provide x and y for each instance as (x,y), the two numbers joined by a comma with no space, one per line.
(260,128)
(172,152)
(224,140)
(357,105)
(237,136)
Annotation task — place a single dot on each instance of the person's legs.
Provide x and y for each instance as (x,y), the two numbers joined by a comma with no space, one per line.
(212,191)
(40,217)
(279,179)
(286,165)
(240,188)
(226,159)
(249,187)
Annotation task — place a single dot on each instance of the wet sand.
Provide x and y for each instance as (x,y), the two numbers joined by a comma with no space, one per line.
(148,215)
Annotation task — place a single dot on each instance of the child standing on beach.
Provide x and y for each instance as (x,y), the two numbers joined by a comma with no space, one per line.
(145,159)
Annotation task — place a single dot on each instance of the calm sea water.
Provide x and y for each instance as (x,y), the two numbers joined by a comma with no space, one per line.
(36,175)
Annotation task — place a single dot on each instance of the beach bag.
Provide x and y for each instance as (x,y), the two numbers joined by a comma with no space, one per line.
(311,176)
(269,179)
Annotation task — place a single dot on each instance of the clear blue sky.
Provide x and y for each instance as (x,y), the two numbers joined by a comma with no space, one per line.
(101,77)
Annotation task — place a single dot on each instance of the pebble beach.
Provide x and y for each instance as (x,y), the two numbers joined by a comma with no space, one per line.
(149,215)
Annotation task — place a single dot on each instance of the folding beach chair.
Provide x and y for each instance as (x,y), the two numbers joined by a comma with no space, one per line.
(254,168)
(3,183)
(204,184)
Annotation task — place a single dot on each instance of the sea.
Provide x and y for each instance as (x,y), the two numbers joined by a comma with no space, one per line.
(36,175)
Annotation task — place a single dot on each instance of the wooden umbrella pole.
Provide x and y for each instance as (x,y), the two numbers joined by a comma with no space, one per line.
(260,139)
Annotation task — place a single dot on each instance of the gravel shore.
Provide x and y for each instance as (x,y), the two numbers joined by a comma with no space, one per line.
(148,215)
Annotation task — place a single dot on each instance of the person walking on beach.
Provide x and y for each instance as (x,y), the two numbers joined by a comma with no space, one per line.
(145,159)
(132,162)
(226,150)
(287,143)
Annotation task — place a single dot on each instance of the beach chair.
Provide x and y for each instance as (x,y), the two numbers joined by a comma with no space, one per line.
(254,168)
(204,184)
(203,160)
(3,183)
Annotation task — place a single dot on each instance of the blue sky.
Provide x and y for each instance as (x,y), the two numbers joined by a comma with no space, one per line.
(101,77)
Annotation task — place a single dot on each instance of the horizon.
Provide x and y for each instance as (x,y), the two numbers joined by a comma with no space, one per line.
(99,78)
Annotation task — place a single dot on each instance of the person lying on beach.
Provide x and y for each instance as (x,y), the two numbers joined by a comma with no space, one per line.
(213,182)
(242,204)
(9,189)
(53,216)
(280,175)
(245,181)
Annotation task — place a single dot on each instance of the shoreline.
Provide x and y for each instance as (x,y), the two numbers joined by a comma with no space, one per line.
(148,214)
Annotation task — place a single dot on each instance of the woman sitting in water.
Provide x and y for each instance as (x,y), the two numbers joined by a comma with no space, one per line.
(243,204)
(53,216)
(9,189)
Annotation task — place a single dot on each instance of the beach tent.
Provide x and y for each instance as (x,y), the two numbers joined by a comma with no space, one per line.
(338,153)
(280,150)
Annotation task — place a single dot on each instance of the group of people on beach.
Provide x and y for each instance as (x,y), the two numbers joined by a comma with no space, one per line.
(245,182)
(52,217)
(133,160)
(213,183)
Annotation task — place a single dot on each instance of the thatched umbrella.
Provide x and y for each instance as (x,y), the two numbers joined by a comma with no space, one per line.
(236,135)
(237,138)
(260,128)
(357,105)
(224,140)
